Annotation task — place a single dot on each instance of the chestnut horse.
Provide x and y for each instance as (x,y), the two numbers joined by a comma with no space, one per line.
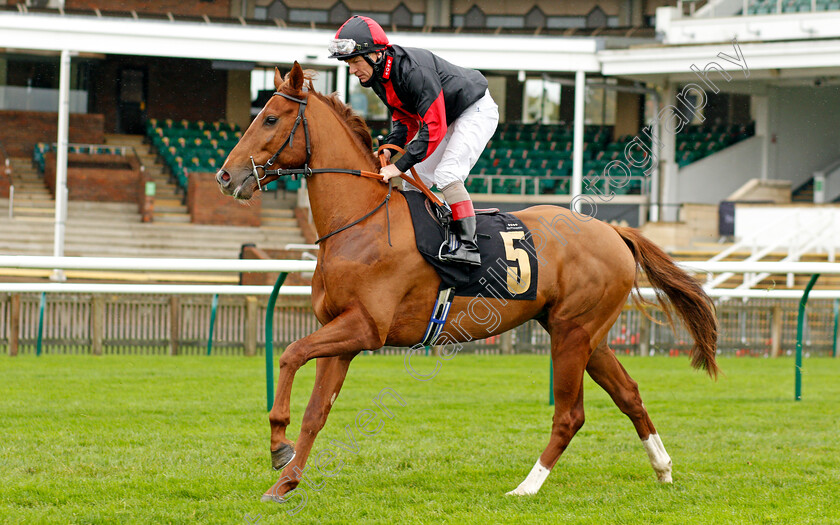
(372,289)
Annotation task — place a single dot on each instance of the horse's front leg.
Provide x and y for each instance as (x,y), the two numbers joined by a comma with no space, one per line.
(349,333)
(329,376)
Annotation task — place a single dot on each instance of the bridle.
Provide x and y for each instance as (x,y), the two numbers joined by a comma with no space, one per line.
(280,172)
(306,171)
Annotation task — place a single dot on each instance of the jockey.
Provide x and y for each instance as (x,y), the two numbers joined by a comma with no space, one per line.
(444,113)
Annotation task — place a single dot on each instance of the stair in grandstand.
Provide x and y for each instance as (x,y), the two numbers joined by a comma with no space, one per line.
(804,193)
(169,205)
(198,145)
(114,230)
(278,210)
(32,198)
(706,251)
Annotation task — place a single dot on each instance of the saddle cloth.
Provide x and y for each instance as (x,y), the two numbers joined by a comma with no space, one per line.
(508,267)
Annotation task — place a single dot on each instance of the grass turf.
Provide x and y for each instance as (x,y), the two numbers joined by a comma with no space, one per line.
(185,440)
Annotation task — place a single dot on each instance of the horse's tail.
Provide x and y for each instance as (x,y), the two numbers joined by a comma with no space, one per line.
(683,293)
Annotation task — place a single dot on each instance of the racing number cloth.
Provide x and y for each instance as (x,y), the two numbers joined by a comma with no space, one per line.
(508,259)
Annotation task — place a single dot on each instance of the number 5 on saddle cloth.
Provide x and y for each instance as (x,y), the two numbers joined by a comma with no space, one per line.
(508,270)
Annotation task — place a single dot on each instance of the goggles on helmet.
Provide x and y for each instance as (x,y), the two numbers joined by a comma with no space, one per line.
(343,46)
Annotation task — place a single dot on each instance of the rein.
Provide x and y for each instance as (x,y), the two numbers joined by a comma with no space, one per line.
(306,171)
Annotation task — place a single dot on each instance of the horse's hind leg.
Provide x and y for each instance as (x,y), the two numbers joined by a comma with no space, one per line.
(608,372)
(569,354)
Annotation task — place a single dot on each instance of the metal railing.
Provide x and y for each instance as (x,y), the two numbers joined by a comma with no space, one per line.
(531,185)
(196,265)
(110,149)
(795,242)
(730,8)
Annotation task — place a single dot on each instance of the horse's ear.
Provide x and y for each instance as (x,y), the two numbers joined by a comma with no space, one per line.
(278,79)
(296,77)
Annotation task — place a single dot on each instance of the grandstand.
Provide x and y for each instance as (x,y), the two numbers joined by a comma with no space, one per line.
(756,109)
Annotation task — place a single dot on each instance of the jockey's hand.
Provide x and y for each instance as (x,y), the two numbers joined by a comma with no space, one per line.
(387,154)
(389,172)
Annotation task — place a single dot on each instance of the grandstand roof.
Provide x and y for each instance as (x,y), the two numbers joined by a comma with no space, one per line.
(676,61)
(698,41)
(272,44)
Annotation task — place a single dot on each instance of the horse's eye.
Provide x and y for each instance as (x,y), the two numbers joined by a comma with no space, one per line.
(270,121)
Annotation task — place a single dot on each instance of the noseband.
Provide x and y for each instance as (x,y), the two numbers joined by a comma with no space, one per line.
(305,171)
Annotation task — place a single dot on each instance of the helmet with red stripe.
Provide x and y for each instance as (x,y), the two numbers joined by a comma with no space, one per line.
(359,35)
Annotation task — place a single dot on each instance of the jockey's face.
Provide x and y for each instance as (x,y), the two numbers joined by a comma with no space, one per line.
(360,68)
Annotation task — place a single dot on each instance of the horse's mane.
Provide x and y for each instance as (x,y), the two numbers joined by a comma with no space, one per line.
(345,113)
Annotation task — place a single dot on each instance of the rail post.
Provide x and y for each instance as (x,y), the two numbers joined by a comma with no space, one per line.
(834,339)
(213,307)
(776,325)
(269,340)
(14,325)
(174,325)
(97,324)
(251,307)
(41,308)
(800,322)
(550,382)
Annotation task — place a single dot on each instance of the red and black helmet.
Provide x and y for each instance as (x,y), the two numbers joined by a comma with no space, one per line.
(359,35)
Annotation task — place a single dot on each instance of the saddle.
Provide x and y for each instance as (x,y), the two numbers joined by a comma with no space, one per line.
(508,270)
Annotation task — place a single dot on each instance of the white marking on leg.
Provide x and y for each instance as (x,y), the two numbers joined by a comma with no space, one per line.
(659,459)
(332,399)
(533,482)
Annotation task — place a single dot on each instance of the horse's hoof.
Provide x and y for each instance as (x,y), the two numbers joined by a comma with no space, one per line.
(282,457)
(272,498)
(664,477)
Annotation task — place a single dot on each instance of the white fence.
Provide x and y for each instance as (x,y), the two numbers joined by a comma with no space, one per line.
(147,318)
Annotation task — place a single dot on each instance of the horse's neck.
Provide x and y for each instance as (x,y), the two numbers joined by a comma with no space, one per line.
(339,198)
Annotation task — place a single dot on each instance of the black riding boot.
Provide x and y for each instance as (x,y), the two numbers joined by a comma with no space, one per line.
(467,252)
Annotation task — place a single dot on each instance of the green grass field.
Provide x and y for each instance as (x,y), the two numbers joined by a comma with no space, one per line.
(185,440)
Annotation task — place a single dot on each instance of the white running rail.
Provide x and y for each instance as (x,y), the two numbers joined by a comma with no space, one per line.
(162,265)
(261,265)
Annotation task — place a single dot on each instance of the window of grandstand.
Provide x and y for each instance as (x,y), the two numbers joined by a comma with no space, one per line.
(366,103)
(400,16)
(262,85)
(476,18)
(542,101)
(30,83)
(600,105)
